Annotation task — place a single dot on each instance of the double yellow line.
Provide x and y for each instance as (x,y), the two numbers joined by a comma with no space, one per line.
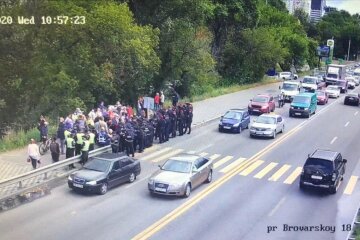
(157,226)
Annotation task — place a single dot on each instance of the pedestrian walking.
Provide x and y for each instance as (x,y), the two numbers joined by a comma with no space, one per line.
(33,153)
(55,150)
(61,135)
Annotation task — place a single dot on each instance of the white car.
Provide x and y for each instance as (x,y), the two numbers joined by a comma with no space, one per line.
(333,91)
(310,83)
(290,89)
(351,82)
(287,76)
(267,125)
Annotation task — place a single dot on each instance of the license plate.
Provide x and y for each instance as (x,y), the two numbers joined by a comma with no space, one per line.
(78,185)
(227,127)
(297,114)
(316,177)
(259,133)
(160,189)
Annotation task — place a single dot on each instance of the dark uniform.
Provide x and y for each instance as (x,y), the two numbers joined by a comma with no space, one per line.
(167,127)
(162,129)
(122,133)
(114,141)
(85,149)
(181,121)
(189,118)
(129,141)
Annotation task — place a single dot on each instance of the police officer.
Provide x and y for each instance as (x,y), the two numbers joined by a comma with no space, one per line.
(167,127)
(162,129)
(70,147)
(181,120)
(189,118)
(121,132)
(129,142)
(78,142)
(91,140)
(281,100)
(172,115)
(85,149)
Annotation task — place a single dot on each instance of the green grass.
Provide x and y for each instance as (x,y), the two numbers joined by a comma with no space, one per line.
(20,139)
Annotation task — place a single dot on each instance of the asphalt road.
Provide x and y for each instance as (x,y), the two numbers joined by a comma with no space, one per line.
(234,206)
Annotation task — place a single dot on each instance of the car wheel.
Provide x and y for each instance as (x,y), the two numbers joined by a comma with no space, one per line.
(220,130)
(301,186)
(187,190)
(333,189)
(103,188)
(209,177)
(268,110)
(238,130)
(274,134)
(132,177)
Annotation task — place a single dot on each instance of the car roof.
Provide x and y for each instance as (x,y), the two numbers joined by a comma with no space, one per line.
(324,154)
(312,77)
(285,72)
(263,95)
(238,109)
(186,157)
(270,115)
(111,157)
(306,94)
(352,94)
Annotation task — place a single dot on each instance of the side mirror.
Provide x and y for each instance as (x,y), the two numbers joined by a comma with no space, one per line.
(345,160)
(159,166)
(308,154)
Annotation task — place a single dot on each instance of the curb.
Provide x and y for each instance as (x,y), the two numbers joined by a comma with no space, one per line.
(196,125)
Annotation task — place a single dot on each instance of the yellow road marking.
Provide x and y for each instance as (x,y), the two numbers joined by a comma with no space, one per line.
(203,154)
(156,153)
(163,157)
(215,156)
(291,178)
(279,173)
(222,161)
(267,169)
(232,165)
(252,167)
(158,225)
(351,185)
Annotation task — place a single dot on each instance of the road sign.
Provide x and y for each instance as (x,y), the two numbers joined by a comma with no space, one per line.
(330,43)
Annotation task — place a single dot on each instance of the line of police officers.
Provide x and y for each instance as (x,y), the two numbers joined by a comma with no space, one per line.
(136,133)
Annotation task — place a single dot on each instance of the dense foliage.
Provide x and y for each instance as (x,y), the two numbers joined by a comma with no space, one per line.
(129,48)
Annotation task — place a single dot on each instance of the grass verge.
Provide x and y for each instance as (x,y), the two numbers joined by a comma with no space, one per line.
(21,138)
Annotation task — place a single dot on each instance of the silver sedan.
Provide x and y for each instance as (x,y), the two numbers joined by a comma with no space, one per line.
(180,175)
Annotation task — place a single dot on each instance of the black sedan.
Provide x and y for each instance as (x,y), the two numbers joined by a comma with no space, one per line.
(352,99)
(103,172)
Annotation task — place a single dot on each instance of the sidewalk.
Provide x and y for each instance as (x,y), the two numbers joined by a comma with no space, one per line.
(14,162)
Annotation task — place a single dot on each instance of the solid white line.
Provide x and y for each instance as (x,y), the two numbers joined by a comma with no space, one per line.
(277,207)
(333,140)
(347,124)
(356,113)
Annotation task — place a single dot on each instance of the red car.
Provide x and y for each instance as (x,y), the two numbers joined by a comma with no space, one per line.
(322,97)
(262,103)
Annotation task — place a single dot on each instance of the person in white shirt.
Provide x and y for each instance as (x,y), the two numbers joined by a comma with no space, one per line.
(162,99)
(34,154)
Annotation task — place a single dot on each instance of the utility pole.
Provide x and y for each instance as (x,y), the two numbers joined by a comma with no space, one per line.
(349,49)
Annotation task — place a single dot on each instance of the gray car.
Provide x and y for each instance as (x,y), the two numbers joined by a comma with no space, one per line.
(180,175)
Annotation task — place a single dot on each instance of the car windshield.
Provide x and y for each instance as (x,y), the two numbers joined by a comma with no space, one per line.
(261,99)
(289,86)
(177,166)
(319,164)
(332,75)
(233,115)
(340,83)
(301,99)
(352,95)
(320,94)
(98,165)
(309,80)
(332,88)
(266,120)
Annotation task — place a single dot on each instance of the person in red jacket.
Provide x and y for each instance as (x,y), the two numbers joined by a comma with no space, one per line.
(157,101)
(130,111)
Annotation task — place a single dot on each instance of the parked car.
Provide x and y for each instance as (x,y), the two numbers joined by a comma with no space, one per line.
(333,91)
(352,99)
(262,103)
(105,171)
(234,120)
(323,169)
(287,76)
(181,174)
(322,97)
(267,125)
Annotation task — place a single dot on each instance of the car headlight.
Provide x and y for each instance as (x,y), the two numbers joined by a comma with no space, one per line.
(263,106)
(70,178)
(291,107)
(333,177)
(151,181)
(220,123)
(252,128)
(236,125)
(306,109)
(91,183)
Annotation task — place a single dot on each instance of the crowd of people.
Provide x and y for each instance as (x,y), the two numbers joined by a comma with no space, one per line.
(118,126)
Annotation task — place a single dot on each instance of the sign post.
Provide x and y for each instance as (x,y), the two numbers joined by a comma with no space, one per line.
(330,43)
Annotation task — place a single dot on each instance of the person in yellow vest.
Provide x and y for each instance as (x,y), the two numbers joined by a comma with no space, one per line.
(70,147)
(91,140)
(78,142)
(67,133)
(85,149)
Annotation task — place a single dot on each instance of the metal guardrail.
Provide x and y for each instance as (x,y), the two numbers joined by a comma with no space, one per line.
(49,168)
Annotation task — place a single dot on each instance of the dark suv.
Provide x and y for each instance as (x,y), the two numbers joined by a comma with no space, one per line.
(323,169)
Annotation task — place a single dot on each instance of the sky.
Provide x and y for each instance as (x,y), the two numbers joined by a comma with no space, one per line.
(352,6)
